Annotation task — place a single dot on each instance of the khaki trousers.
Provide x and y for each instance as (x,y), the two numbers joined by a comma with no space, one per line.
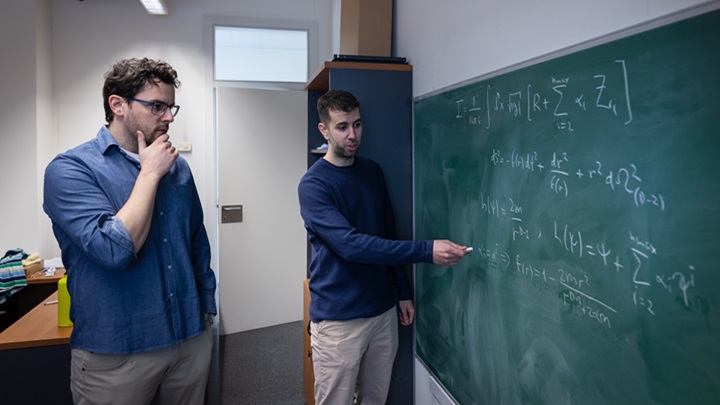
(354,359)
(172,375)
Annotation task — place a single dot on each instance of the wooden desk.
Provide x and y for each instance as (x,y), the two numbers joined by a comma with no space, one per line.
(35,354)
(59,272)
(37,328)
(23,301)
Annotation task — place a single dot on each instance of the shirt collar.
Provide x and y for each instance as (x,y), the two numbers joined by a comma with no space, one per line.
(106,139)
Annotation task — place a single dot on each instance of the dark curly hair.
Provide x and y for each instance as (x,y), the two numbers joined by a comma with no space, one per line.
(337,100)
(129,76)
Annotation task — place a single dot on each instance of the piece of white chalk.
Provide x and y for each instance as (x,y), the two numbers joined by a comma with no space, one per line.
(468,249)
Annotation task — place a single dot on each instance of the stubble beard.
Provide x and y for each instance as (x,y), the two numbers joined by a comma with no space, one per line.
(150,133)
(342,152)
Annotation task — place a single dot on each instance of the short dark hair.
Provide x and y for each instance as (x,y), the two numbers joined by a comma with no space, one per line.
(129,76)
(338,100)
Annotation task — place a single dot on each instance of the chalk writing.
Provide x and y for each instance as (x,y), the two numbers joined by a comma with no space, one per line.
(561,97)
(624,180)
(639,251)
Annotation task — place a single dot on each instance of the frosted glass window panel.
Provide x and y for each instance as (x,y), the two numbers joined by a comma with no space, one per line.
(261,55)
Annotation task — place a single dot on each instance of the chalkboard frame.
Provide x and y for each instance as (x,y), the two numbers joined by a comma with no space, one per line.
(620,34)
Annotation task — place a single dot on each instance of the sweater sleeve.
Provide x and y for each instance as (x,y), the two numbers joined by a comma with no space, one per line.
(324,220)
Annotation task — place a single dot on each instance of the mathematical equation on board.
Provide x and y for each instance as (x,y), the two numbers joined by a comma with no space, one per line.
(574,287)
(610,93)
(629,260)
(626,180)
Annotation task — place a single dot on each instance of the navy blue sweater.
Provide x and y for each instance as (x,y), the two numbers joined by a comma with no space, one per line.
(356,268)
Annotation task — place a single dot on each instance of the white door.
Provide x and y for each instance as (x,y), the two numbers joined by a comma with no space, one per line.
(261,140)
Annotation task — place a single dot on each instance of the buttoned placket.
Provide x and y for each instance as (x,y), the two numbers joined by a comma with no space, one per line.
(167,260)
(163,218)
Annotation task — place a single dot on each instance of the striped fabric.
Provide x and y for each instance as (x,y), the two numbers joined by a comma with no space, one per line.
(12,274)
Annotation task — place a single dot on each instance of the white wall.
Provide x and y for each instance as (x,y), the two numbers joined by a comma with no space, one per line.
(25,124)
(450,42)
(51,87)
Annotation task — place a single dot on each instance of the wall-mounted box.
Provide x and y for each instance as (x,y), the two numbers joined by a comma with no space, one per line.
(366,27)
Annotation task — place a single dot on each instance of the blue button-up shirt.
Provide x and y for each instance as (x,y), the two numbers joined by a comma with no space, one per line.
(122,302)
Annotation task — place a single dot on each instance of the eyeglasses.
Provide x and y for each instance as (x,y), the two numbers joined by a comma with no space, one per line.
(157,108)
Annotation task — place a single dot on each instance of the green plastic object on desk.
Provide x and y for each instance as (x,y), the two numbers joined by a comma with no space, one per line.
(63,303)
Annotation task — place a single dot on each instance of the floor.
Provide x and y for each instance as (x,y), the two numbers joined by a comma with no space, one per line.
(263,366)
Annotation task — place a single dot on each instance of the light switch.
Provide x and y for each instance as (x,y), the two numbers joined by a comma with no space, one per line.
(183,146)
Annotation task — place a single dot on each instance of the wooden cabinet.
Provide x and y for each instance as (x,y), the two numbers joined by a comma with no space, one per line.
(384,91)
(308,376)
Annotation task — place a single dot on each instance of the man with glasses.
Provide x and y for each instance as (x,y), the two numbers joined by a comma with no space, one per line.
(128,219)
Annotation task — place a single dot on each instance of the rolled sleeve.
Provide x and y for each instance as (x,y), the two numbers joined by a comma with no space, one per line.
(85,215)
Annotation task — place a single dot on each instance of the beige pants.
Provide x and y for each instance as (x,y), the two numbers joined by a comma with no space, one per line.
(354,359)
(172,375)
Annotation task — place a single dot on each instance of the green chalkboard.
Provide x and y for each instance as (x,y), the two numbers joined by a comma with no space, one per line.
(589,187)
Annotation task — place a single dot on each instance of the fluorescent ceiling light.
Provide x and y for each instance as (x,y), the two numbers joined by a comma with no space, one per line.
(155,7)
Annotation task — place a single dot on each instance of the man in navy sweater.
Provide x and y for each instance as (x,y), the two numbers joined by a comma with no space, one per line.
(356,273)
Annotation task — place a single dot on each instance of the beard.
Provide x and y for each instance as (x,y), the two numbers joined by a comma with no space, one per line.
(151,132)
(341,150)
